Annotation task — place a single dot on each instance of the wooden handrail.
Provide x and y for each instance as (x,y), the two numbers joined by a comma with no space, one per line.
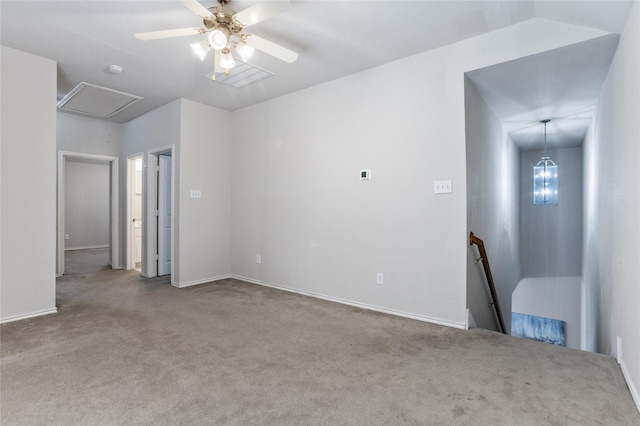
(487,271)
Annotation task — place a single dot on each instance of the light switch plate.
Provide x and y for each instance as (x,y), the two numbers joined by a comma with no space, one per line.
(196,193)
(442,187)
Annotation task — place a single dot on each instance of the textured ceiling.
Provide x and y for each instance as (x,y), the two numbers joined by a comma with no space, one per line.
(333,38)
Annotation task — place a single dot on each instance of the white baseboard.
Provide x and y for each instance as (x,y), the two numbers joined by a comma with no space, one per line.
(471,321)
(356,304)
(630,384)
(30,315)
(202,281)
(86,247)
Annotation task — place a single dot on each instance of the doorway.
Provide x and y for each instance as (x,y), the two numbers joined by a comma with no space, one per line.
(134,212)
(158,235)
(165,210)
(112,209)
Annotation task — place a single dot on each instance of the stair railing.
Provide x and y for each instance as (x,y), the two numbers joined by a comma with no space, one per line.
(487,271)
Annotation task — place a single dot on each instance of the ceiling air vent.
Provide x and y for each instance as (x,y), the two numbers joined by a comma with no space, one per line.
(241,75)
(96,101)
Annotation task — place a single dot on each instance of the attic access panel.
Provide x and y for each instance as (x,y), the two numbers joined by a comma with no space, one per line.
(96,101)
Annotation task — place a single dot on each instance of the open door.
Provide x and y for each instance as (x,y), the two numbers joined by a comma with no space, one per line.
(164,214)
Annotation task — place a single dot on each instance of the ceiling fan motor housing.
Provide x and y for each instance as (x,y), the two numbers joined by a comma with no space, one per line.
(222,18)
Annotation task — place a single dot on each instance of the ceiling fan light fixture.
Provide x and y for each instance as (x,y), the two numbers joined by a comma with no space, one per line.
(226,60)
(245,51)
(201,49)
(218,39)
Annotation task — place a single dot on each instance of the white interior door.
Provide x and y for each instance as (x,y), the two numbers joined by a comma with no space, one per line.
(164,214)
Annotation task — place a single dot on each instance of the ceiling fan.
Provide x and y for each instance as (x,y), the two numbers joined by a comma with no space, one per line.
(225,32)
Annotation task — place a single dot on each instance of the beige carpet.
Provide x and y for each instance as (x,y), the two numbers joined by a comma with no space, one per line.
(123,350)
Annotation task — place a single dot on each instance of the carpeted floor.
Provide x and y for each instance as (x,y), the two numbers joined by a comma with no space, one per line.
(124,350)
(86,260)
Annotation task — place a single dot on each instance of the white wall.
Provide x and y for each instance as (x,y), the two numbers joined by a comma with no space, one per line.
(551,235)
(299,203)
(160,127)
(28,186)
(88,135)
(86,193)
(618,154)
(204,244)
(590,246)
(202,227)
(492,207)
(555,297)
(156,129)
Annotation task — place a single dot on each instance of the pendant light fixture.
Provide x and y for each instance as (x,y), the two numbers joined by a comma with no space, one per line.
(545,176)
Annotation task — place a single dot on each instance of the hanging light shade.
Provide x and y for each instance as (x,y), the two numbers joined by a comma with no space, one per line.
(545,177)
(201,49)
(244,51)
(226,60)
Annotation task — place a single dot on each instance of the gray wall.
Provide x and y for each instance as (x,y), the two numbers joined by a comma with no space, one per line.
(617,217)
(155,129)
(492,207)
(204,242)
(202,227)
(551,235)
(88,135)
(298,201)
(86,193)
(28,185)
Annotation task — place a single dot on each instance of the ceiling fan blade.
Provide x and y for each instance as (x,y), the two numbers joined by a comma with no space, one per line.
(271,48)
(178,32)
(197,8)
(217,69)
(261,11)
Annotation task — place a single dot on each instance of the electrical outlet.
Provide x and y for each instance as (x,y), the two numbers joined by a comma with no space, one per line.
(258,259)
(196,193)
(442,187)
(380,278)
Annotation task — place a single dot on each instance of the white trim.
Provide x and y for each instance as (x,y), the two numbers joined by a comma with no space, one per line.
(86,247)
(202,281)
(630,384)
(114,200)
(30,315)
(366,306)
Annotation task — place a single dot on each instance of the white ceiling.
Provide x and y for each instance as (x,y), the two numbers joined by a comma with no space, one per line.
(562,85)
(333,38)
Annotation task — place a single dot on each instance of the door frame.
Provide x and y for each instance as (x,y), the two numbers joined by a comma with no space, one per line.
(114,197)
(149,206)
(130,264)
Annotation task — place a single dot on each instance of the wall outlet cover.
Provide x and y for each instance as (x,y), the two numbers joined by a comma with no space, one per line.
(442,187)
